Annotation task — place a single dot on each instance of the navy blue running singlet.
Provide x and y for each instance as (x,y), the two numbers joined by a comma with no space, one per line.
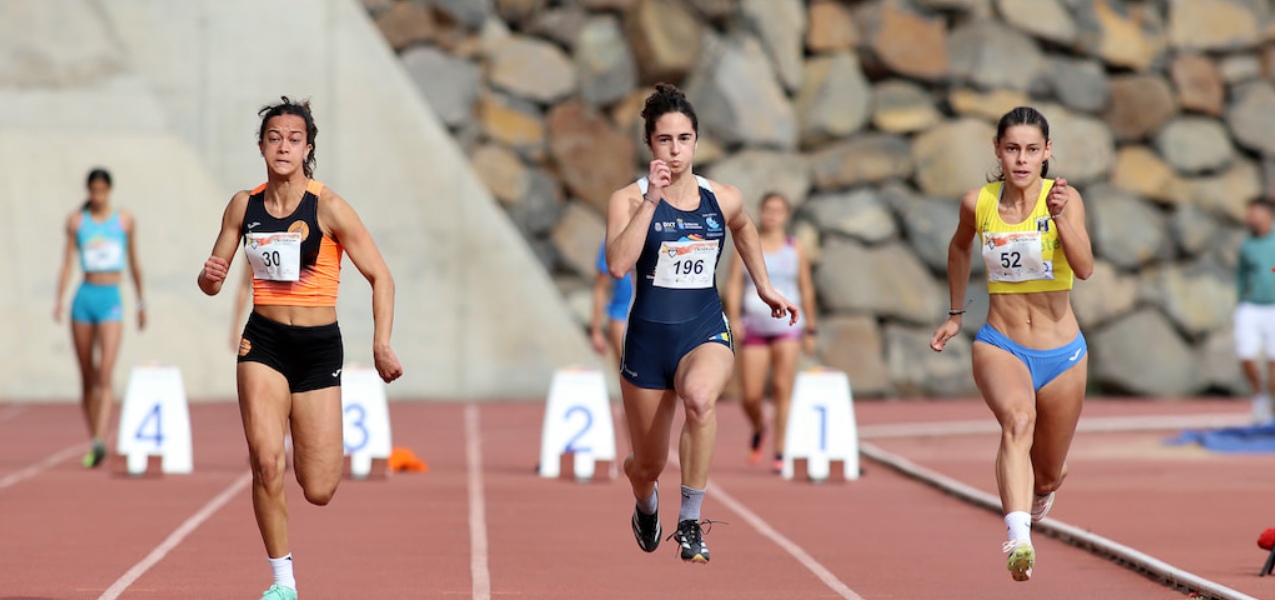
(676,307)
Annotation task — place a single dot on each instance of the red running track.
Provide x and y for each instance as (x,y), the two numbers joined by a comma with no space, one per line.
(69,533)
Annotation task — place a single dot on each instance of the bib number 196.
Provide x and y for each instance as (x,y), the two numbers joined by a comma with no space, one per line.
(688,267)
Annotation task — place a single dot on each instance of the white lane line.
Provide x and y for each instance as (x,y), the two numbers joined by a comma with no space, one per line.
(478,571)
(786,544)
(175,538)
(797,552)
(1061,530)
(11,411)
(42,466)
(1088,425)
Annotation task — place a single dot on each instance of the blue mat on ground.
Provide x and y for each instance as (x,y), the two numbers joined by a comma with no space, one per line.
(1248,439)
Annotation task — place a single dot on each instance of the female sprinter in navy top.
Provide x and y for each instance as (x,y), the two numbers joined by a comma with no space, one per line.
(668,228)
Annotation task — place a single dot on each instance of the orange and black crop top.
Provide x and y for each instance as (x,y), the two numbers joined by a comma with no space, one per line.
(315,269)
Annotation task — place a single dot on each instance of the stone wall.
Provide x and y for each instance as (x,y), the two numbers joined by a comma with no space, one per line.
(873,117)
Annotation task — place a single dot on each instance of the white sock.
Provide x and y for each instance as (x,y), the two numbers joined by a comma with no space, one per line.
(1019,524)
(282,568)
(691,501)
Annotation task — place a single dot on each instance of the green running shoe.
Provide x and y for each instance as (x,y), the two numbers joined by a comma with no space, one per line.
(1022,557)
(279,592)
(96,455)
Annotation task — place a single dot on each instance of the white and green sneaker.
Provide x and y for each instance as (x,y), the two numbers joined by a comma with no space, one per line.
(279,592)
(1022,557)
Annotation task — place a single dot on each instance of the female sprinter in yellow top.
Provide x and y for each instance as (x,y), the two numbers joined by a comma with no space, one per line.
(1030,359)
(294,230)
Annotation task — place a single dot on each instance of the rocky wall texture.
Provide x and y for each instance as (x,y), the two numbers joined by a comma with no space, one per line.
(873,117)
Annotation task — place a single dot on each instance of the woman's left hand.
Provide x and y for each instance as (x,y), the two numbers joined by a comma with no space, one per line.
(387,365)
(1056,201)
(141,319)
(808,343)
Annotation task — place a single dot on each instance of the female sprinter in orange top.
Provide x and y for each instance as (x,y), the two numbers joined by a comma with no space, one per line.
(294,230)
(1030,359)
(668,228)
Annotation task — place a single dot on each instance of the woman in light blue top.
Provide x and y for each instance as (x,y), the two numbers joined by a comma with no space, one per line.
(611,298)
(103,238)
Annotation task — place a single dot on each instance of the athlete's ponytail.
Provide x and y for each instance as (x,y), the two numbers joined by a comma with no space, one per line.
(1023,115)
(666,99)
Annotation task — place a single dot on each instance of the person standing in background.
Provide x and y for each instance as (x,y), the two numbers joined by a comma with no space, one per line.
(611,297)
(770,347)
(1255,313)
(104,239)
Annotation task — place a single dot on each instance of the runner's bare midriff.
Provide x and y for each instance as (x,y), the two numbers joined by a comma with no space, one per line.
(1041,320)
(299,316)
(104,278)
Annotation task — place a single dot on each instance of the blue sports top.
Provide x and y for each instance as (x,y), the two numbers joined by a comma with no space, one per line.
(676,271)
(621,289)
(102,245)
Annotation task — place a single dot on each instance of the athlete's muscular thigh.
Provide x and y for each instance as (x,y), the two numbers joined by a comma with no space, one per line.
(702,375)
(1005,383)
(317,442)
(264,404)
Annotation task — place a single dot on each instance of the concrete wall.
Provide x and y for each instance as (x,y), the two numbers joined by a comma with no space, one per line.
(165,94)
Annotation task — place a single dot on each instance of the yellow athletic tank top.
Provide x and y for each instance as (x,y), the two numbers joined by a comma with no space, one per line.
(1021,258)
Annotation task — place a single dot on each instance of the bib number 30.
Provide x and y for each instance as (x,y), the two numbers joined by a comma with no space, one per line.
(274,256)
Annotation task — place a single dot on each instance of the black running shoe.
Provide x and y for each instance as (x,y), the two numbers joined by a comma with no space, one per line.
(646,528)
(691,538)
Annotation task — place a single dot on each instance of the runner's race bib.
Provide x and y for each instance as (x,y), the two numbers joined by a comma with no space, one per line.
(1015,256)
(686,265)
(103,254)
(274,256)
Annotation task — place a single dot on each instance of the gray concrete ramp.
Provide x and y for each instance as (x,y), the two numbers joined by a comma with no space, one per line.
(167,100)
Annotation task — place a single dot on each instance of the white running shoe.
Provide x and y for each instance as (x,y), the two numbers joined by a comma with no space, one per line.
(1022,557)
(1262,413)
(1041,506)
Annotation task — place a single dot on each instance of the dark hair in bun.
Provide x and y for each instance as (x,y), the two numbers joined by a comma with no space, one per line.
(666,99)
